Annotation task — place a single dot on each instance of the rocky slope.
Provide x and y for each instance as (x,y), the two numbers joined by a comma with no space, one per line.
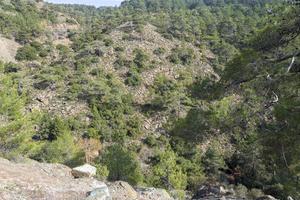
(25,179)
(29,180)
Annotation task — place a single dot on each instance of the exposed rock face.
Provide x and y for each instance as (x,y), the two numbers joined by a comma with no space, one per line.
(31,180)
(36,181)
(122,190)
(8,49)
(153,194)
(84,171)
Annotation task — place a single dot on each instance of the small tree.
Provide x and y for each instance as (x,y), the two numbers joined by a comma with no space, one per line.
(167,173)
(27,53)
(122,165)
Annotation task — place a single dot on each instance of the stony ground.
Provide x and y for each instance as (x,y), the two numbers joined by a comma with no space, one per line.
(29,180)
(8,49)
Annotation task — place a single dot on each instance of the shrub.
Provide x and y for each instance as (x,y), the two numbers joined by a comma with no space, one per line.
(213,160)
(50,128)
(122,165)
(11,68)
(183,56)
(108,42)
(102,172)
(140,59)
(150,141)
(167,173)
(159,51)
(133,78)
(62,150)
(119,49)
(27,53)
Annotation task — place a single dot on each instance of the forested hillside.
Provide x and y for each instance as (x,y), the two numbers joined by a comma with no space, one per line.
(172,94)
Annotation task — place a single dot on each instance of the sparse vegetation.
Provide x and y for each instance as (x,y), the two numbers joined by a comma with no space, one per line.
(178,92)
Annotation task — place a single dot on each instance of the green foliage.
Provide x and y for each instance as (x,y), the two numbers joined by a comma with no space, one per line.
(242,68)
(167,173)
(140,59)
(159,51)
(163,89)
(102,172)
(62,150)
(184,56)
(239,109)
(24,23)
(133,78)
(50,128)
(122,165)
(27,53)
(213,160)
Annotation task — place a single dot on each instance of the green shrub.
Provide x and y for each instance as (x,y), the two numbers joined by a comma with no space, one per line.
(183,56)
(62,150)
(133,78)
(102,172)
(159,51)
(150,141)
(27,53)
(166,172)
(119,49)
(122,165)
(108,42)
(50,128)
(213,160)
(11,68)
(140,59)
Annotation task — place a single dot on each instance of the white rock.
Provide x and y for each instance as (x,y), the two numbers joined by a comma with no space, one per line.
(101,192)
(85,170)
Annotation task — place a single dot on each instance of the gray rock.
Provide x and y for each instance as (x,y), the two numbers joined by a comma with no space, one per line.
(122,190)
(85,170)
(153,194)
(100,193)
(34,181)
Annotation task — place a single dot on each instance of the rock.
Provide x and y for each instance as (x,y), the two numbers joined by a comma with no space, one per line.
(267,197)
(153,194)
(42,85)
(34,181)
(206,190)
(290,198)
(85,170)
(122,190)
(100,193)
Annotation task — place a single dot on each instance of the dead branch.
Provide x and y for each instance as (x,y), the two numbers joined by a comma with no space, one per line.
(276,98)
(291,65)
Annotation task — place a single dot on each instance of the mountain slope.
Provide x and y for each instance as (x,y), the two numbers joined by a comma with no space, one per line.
(180,92)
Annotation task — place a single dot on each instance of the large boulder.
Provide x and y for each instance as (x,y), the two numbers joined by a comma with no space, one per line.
(122,190)
(153,194)
(100,193)
(35,181)
(85,170)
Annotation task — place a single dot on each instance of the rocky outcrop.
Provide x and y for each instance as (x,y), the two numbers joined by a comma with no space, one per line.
(153,194)
(217,192)
(36,181)
(84,171)
(8,49)
(122,190)
(30,180)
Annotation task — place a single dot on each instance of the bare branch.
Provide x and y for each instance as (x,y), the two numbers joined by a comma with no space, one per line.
(276,98)
(291,65)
